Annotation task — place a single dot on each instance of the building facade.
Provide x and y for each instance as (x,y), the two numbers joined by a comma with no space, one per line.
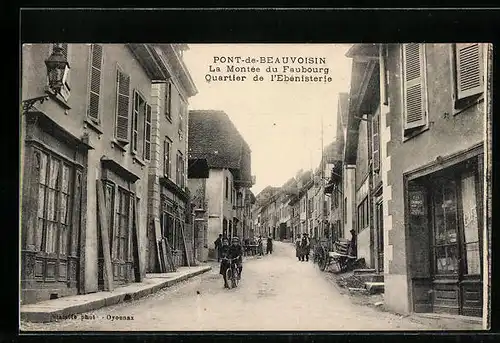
(421,170)
(84,156)
(169,209)
(214,138)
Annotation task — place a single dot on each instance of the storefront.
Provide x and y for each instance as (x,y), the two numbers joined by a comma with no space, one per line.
(53,173)
(444,215)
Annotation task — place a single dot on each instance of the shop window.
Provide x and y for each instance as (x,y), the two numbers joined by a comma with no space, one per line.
(445,232)
(363,214)
(470,224)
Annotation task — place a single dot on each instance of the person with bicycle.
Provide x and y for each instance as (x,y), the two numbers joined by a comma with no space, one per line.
(233,254)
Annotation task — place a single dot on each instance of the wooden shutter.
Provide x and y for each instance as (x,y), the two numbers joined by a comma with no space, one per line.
(135,118)
(147,133)
(469,69)
(95,81)
(376,142)
(122,107)
(414,94)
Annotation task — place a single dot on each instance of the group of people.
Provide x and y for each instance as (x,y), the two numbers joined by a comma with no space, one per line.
(303,247)
(234,251)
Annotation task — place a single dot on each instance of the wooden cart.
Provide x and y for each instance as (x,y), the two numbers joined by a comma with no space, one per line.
(339,256)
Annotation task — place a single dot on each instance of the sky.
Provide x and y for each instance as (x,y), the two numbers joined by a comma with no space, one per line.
(281,122)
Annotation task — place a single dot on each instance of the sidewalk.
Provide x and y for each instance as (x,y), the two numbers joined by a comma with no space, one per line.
(66,307)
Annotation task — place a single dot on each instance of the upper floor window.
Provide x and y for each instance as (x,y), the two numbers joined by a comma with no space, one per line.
(96,61)
(415,117)
(376,142)
(167,160)
(468,74)
(138,116)
(147,134)
(180,170)
(122,106)
(227,187)
(168,100)
(182,116)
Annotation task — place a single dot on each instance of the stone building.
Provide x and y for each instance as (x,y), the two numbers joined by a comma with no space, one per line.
(214,138)
(91,135)
(169,208)
(428,129)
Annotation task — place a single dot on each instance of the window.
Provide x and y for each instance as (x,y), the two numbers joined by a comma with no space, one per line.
(182,114)
(96,61)
(468,74)
(363,215)
(122,106)
(137,114)
(179,176)
(376,142)
(471,225)
(414,89)
(147,133)
(121,230)
(54,202)
(167,159)
(227,188)
(168,100)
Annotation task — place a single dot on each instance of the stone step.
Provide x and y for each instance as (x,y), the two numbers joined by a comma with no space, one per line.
(364,271)
(371,277)
(374,287)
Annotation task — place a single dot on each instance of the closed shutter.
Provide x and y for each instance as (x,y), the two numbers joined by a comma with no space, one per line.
(95,81)
(469,70)
(122,107)
(376,142)
(147,133)
(135,124)
(414,95)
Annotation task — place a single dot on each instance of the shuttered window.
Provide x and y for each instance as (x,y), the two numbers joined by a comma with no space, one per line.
(414,86)
(376,142)
(469,70)
(147,133)
(167,160)
(168,100)
(135,121)
(95,81)
(122,106)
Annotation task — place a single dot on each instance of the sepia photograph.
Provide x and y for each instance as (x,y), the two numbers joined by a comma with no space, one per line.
(255,187)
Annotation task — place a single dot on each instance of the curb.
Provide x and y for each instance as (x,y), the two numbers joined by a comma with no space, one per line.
(51,314)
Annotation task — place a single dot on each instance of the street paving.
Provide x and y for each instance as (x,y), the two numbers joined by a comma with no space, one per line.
(276,292)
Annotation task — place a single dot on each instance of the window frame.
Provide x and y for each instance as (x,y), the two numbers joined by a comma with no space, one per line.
(147,137)
(167,157)
(413,132)
(123,141)
(168,100)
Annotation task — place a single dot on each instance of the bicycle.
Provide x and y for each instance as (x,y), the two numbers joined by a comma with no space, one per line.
(232,273)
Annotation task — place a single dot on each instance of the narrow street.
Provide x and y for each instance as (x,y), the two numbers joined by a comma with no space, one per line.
(276,293)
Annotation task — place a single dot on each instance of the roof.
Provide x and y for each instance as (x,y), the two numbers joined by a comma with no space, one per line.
(213,136)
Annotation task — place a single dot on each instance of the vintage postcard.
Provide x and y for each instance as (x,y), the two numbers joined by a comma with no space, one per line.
(227,187)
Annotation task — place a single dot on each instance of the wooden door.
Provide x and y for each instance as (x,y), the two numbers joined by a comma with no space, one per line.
(121,238)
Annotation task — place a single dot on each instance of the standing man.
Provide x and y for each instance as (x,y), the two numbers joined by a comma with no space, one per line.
(269,245)
(218,246)
(305,245)
(260,247)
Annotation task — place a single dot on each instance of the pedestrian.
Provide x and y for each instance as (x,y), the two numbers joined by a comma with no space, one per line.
(218,245)
(298,253)
(353,251)
(269,245)
(305,247)
(260,247)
